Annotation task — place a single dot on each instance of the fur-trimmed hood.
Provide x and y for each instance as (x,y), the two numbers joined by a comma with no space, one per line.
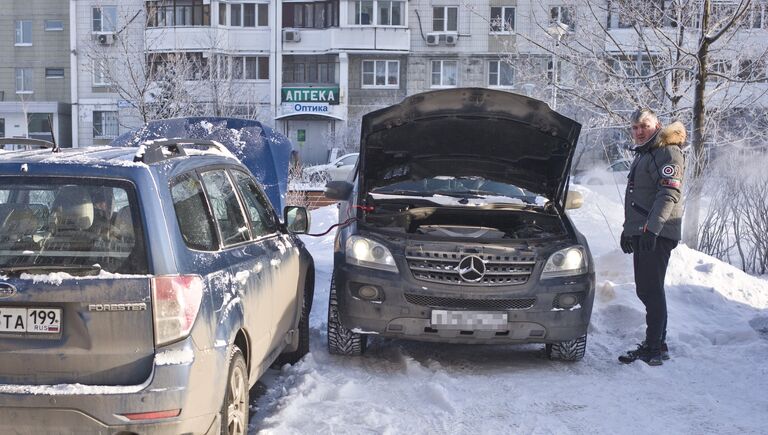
(673,134)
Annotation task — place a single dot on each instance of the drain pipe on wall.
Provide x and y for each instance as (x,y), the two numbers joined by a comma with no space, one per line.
(73,76)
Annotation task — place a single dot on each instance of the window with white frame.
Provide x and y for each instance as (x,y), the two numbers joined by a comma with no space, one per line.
(54,25)
(563,15)
(317,15)
(167,13)
(101,73)
(23,80)
(361,12)
(250,68)
(381,74)
(105,124)
(500,74)
(503,19)
(23,32)
(236,15)
(444,73)
(222,14)
(390,13)
(104,19)
(445,19)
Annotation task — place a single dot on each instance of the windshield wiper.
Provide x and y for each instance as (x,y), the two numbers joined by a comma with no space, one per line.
(93,269)
(405,193)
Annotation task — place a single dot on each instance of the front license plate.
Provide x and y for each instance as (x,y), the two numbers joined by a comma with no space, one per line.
(469,320)
(19,320)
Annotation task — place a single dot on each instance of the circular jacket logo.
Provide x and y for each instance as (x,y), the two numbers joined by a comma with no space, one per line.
(471,268)
(6,290)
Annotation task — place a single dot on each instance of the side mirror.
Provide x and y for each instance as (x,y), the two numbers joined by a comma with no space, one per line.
(296,219)
(338,190)
(573,200)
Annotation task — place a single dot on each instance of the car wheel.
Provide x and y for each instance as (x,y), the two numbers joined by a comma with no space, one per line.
(303,331)
(234,410)
(571,350)
(342,341)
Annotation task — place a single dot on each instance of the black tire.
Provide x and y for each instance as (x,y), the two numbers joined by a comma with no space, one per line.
(303,331)
(234,409)
(342,341)
(571,350)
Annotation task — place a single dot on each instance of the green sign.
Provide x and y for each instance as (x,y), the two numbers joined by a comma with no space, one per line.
(311,95)
(301,135)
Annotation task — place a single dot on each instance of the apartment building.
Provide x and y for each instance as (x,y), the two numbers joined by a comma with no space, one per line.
(35,71)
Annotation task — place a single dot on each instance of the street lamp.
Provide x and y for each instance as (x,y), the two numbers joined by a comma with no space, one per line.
(557,32)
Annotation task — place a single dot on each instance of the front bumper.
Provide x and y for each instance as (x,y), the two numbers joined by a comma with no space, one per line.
(181,383)
(396,316)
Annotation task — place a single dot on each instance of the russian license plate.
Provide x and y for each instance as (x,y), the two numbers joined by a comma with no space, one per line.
(469,320)
(21,320)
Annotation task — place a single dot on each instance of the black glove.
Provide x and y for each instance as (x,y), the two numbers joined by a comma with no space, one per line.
(647,241)
(626,244)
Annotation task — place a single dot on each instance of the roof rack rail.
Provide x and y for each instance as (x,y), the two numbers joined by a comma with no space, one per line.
(157,150)
(29,142)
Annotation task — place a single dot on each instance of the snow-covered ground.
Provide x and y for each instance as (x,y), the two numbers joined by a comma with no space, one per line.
(715,383)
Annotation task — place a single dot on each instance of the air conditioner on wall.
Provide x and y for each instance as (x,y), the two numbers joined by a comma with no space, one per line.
(433,38)
(450,38)
(291,36)
(105,38)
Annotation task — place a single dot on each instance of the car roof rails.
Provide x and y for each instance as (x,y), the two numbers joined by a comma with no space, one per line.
(157,150)
(29,142)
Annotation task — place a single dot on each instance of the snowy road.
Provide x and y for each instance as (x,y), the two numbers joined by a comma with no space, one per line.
(715,383)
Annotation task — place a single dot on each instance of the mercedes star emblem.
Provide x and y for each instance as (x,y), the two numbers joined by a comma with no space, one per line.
(471,268)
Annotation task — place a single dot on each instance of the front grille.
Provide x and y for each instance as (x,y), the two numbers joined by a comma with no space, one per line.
(502,266)
(486,304)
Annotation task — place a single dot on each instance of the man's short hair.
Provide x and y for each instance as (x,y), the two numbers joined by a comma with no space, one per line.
(643,113)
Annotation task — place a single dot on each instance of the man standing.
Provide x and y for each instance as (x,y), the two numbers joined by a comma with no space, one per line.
(653,213)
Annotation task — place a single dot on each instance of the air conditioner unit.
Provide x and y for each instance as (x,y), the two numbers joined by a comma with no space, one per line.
(433,38)
(105,38)
(291,36)
(450,38)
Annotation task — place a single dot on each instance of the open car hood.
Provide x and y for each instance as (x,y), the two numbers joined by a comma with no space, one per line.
(468,132)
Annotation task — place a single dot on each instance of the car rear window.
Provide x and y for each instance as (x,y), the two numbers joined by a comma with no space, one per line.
(70,225)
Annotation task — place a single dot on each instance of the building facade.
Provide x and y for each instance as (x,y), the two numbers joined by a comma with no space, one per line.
(35,71)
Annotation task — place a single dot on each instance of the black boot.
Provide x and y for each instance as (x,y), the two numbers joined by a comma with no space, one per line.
(634,354)
(664,351)
(651,356)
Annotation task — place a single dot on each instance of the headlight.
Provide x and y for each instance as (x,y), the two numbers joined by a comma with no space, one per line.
(368,253)
(566,262)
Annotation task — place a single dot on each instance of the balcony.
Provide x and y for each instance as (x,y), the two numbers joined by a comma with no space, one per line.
(206,38)
(349,38)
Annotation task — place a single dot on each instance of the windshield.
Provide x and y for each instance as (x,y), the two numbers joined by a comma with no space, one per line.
(65,225)
(463,188)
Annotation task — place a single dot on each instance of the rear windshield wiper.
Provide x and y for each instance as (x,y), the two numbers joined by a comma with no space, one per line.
(38,268)
(405,193)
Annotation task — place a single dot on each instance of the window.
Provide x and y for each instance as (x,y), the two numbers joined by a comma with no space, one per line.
(23,80)
(192,215)
(104,19)
(500,73)
(717,69)
(391,13)
(250,67)
(222,14)
(310,70)
(236,15)
(564,15)
(259,212)
(23,32)
(444,73)
(503,19)
(445,19)
(752,70)
(381,73)
(105,124)
(318,15)
(226,208)
(263,16)
(54,25)
(166,13)
(361,12)
(2,127)
(54,73)
(39,125)
(100,73)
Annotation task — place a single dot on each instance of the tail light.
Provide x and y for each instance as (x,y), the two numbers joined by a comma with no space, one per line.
(176,302)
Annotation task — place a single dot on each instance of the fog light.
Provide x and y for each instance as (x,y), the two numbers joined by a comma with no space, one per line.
(368,292)
(567,300)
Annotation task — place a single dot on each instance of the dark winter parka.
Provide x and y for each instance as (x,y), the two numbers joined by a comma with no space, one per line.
(655,185)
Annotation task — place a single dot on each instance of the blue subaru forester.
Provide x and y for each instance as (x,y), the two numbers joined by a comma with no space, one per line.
(143,290)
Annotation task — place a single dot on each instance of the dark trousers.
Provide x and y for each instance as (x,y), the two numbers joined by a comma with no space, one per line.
(650,269)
